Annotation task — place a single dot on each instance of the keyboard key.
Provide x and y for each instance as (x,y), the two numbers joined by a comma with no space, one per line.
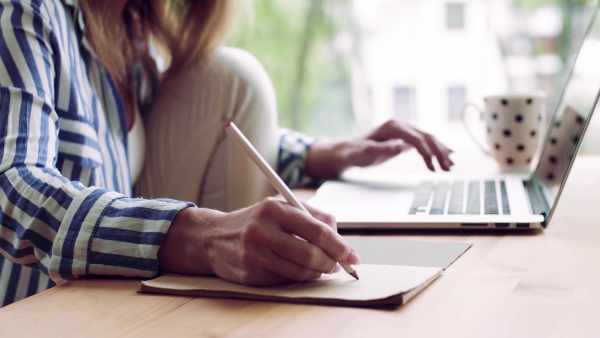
(421,200)
(439,198)
(457,198)
(473,203)
(490,199)
(505,206)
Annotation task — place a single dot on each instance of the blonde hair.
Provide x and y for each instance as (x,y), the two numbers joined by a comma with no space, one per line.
(183,31)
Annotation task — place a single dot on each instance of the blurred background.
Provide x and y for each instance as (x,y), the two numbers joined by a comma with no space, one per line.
(341,67)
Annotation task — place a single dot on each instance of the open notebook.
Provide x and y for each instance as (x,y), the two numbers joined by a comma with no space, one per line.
(378,286)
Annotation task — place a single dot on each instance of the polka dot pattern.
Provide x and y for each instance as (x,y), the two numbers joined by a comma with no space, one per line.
(562,142)
(512,125)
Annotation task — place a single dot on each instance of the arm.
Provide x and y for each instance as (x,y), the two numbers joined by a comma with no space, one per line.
(258,245)
(67,229)
(325,159)
(60,226)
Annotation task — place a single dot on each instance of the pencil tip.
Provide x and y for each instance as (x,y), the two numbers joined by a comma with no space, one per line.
(354,274)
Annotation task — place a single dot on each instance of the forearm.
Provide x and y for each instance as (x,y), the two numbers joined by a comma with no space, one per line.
(68,230)
(268,243)
(184,249)
(326,159)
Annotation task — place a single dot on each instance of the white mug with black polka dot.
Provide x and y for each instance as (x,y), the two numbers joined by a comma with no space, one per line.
(566,130)
(512,125)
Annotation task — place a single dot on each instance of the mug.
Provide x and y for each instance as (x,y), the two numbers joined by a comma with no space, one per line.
(512,125)
(561,145)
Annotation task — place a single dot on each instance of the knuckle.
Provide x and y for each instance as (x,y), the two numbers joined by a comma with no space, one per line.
(311,257)
(246,277)
(271,200)
(247,257)
(268,207)
(329,219)
(341,250)
(371,147)
(307,274)
(419,138)
(393,123)
(321,234)
(251,234)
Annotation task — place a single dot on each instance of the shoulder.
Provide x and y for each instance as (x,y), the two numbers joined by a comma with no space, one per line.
(34,12)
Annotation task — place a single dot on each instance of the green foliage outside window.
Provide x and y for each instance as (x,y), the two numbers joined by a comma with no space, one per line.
(293,40)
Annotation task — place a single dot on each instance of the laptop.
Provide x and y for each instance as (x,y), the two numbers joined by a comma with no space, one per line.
(504,201)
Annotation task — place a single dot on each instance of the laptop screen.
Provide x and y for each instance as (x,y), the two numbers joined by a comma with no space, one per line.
(572,115)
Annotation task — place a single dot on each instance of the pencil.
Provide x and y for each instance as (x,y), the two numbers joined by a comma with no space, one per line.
(275,180)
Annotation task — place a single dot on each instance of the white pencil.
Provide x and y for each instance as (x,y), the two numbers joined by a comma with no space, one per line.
(275,180)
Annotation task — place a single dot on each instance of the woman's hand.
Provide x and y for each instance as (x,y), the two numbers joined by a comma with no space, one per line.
(328,159)
(258,245)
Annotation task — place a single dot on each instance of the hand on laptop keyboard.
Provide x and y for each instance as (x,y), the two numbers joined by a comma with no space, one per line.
(328,159)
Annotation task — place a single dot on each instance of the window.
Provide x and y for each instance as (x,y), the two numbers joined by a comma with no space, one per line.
(457,96)
(404,104)
(455,15)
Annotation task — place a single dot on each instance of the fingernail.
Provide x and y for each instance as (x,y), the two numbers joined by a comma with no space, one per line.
(353,258)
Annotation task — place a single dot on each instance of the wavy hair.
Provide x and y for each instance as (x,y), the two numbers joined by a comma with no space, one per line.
(182,31)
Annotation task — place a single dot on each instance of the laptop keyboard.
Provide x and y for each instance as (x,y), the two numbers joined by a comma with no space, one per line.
(460,197)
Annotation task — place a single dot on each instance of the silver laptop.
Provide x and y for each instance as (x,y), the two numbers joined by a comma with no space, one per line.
(505,201)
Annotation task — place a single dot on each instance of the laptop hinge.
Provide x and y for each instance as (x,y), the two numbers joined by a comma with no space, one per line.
(539,205)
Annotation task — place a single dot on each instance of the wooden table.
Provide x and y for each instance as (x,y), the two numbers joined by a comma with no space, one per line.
(544,284)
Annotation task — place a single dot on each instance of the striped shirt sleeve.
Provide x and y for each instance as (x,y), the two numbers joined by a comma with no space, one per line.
(293,149)
(59,226)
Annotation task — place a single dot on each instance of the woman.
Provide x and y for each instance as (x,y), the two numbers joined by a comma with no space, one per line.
(84,118)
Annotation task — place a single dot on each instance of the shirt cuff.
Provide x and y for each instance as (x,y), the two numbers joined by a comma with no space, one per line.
(105,233)
(293,150)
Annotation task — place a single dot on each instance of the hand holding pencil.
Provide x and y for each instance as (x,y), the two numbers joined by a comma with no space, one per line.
(275,180)
(270,242)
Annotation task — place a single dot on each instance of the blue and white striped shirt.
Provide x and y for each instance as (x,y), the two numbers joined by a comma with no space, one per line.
(65,188)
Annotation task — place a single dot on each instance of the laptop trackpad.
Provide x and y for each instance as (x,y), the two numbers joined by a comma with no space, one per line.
(369,202)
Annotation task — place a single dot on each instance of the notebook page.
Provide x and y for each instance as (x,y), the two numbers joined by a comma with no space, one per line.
(376,282)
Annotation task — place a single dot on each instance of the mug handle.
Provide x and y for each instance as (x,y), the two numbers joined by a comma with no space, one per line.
(463,115)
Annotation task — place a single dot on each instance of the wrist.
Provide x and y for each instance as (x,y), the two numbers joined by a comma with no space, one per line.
(183,249)
(326,159)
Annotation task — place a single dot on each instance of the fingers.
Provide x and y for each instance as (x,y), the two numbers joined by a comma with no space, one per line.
(324,217)
(303,254)
(378,152)
(419,141)
(366,152)
(442,153)
(321,235)
(277,270)
(427,145)
(258,277)
(278,250)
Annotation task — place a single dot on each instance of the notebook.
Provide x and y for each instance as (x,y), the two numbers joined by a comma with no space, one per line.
(378,286)
(504,201)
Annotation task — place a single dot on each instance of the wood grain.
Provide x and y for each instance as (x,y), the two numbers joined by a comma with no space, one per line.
(542,284)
